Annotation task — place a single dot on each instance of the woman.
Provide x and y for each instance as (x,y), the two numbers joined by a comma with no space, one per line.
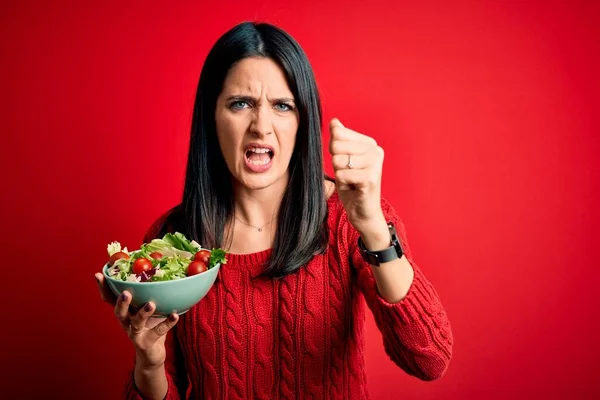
(285,318)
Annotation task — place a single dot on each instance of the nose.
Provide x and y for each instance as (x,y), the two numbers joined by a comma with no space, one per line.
(262,123)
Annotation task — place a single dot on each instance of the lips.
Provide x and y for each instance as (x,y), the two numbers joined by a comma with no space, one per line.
(258,157)
(256,145)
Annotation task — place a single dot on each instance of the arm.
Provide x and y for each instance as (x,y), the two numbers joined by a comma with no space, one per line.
(407,310)
(415,328)
(395,277)
(168,381)
(151,381)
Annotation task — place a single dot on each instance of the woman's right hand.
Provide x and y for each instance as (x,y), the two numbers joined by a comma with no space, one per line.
(147,334)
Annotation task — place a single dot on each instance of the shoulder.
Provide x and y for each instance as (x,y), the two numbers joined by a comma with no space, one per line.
(166,222)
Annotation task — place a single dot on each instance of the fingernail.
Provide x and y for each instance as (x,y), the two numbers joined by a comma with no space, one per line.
(97,279)
(123,297)
(148,307)
(172,317)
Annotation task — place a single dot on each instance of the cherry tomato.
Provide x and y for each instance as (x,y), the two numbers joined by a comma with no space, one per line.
(141,264)
(196,267)
(156,255)
(202,255)
(117,256)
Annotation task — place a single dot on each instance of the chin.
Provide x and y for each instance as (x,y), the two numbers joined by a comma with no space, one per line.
(259,181)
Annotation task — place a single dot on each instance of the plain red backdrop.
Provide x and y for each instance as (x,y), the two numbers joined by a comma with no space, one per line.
(488,112)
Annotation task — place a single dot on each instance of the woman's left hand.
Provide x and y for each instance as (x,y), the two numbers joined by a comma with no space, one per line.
(357,162)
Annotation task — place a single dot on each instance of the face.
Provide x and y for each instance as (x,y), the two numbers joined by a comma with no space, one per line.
(257,122)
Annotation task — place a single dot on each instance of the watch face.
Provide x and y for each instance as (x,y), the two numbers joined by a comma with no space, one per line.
(395,240)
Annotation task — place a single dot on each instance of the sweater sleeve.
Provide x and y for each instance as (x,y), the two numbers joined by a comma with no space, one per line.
(174,363)
(416,332)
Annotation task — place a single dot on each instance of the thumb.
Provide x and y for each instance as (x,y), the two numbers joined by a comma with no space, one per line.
(335,123)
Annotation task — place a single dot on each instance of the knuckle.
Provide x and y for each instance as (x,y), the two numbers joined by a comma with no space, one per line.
(161,329)
(338,147)
(135,329)
(137,320)
(337,161)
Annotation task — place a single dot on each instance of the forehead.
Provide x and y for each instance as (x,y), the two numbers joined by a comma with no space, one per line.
(255,75)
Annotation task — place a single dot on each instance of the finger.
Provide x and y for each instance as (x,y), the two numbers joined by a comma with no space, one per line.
(341,161)
(122,309)
(138,321)
(335,123)
(155,320)
(164,327)
(348,147)
(340,132)
(352,179)
(105,293)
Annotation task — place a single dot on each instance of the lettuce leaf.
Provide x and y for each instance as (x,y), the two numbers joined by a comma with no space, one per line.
(173,268)
(113,248)
(156,245)
(217,256)
(180,242)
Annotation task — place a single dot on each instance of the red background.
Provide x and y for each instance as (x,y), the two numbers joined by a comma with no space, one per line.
(488,112)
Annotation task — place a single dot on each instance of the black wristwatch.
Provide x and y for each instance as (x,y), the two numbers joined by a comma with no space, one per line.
(382,256)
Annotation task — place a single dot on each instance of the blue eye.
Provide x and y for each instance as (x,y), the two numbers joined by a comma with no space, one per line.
(283,107)
(238,105)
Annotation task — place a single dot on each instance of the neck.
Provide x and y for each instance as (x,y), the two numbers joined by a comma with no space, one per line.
(258,207)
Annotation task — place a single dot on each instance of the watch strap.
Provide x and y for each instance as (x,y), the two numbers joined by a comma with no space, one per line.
(382,256)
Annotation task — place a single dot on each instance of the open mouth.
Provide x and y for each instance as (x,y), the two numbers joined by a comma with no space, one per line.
(259,156)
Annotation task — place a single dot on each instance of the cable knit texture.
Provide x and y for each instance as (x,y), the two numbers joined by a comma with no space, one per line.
(302,337)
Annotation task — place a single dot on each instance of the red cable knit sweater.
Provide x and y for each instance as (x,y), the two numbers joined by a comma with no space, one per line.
(302,336)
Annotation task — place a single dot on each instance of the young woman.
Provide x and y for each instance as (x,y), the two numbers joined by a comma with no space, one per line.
(285,318)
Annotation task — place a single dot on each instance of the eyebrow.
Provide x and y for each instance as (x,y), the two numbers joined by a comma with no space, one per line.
(252,99)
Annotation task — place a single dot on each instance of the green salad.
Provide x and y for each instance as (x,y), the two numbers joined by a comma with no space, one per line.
(169,258)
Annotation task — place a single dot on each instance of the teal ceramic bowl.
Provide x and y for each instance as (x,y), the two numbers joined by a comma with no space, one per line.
(176,296)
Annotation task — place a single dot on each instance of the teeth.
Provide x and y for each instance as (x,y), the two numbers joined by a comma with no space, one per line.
(259,162)
(259,151)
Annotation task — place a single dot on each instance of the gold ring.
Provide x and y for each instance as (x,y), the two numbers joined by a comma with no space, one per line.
(349,161)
